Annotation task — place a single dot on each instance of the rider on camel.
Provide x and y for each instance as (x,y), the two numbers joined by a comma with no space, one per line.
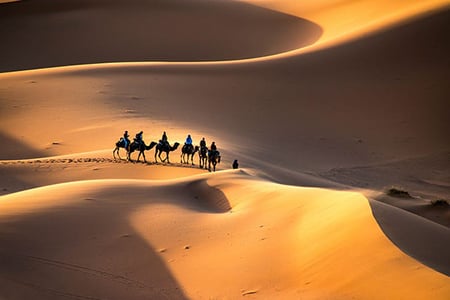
(213,149)
(213,146)
(203,143)
(163,141)
(126,139)
(138,138)
(188,143)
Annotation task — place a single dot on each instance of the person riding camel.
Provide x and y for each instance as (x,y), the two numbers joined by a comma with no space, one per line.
(126,139)
(235,164)
(213,149)
(163,141)
(138,138)
(203,143)
(188,143)
(213,146)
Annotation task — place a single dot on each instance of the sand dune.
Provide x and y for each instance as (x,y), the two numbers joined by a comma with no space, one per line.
(343,21)
(136,30)
(348,97)
(199,245)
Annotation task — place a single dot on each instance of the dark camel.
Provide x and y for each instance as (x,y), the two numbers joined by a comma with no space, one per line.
(119,144)
(139,147)
(160,148)
(203,157)
(214,159)
(189,151)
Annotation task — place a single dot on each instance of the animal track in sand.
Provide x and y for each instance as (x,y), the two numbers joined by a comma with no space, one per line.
(89,271)
(49,161)
(61,160)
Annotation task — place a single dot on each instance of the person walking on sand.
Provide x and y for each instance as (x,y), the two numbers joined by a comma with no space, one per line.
(235,164)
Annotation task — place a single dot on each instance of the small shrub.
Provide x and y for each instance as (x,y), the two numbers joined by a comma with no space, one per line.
(440,202)
(394,192)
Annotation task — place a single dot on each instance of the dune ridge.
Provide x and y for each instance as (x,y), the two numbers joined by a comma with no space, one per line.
(386,16)
(271,218)
(97,32)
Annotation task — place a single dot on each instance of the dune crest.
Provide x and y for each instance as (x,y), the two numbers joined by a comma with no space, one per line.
(308,229)
(135,30)
(343,21)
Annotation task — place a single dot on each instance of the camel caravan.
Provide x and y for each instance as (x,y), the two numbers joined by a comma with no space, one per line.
(208,157)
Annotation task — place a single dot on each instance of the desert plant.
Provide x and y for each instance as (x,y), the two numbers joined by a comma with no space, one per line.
(395,192)
(440,202)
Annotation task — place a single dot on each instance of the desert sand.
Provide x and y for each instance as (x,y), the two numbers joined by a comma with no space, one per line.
(325,104)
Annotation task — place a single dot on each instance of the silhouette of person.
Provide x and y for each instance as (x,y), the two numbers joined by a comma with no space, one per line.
(203,143)
(213,146)
(235,164)
(125,139)
(188,143)
(164,138)
(188,140)
(138,137)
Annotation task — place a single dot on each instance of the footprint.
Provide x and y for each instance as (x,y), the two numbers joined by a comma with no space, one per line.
(249,292)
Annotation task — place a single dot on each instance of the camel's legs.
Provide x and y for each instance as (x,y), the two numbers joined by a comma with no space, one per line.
(167,157)
(139,156)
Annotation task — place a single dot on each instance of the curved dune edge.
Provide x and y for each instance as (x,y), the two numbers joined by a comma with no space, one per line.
(277,241)
(137,30)
(382,20)
(289,245)
(346,20)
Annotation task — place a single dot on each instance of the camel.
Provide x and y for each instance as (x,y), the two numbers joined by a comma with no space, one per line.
(214,159)
(189,151)
(141,148)
(160,148)
(119,144)
(202,157)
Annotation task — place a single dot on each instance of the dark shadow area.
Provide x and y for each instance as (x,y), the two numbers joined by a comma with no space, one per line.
(205,197)
(46,33)
(14,148)
(11,179)
(67,252)
(424,240)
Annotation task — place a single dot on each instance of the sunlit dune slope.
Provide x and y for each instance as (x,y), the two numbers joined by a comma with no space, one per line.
(47,33)
(277,241)
(19,175)
(376,100)
(343,20)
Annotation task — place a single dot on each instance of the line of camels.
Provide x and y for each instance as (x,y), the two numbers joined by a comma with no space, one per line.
(207,159)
